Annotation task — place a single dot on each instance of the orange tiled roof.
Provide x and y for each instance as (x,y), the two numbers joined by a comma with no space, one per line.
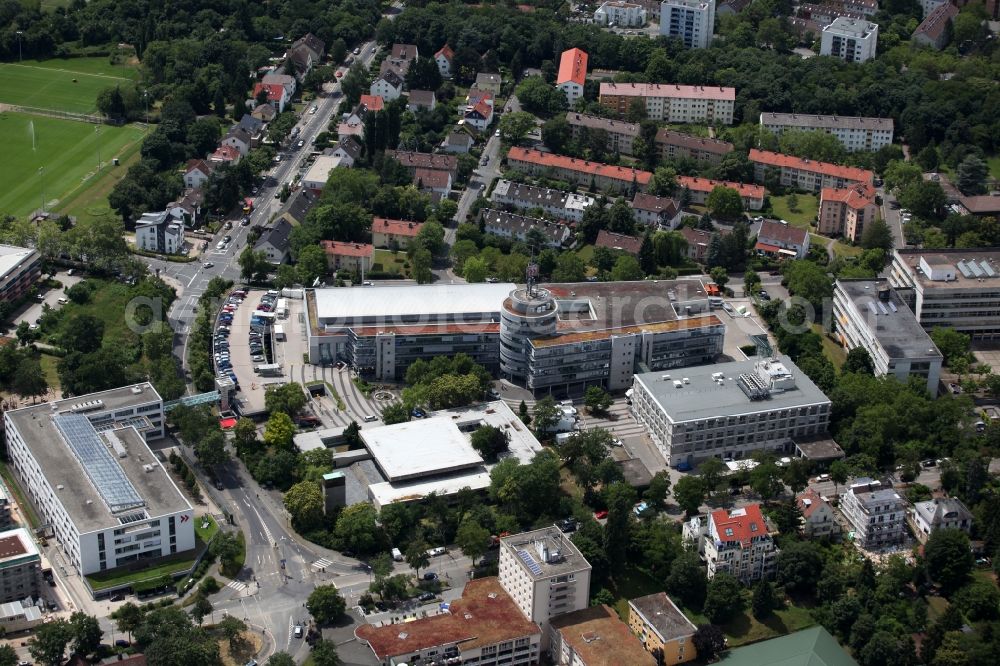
(573,67)
(573,164)
(275,91)
(446,52)
(743,527)
(707,185)
(825,168)
(372,102)
(338,248)
(856,197)
(396,227)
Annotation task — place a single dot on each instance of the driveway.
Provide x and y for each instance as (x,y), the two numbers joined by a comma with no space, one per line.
(31,312)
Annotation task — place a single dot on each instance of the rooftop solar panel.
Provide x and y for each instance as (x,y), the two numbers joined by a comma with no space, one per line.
(104,473)
(987,268)
(530,561)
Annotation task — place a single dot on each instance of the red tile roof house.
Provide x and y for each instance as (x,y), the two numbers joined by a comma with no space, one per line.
(432,180)
(804,174)
(621,242)
(196,173)
(386,232)
(933,30)
(697,242)
(225,154)
(700,188)
(443,59)
(277,95)
(572,74)
(817,515)
(593,175)
(347,256)
(782,240)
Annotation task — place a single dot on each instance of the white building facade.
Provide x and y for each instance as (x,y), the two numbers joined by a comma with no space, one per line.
(877,513)
(693,21)
(855,133)
(620,14)
(852,40)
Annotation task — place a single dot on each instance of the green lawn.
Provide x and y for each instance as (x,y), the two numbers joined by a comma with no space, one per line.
(747,629)
(385,260)
(630,583)
(994,164)
(67,153)
(107,303)
(27,510)
(834,352)
(205,533)
(115,577)
(49,84)
(808,207)
(49,364)
(843,250)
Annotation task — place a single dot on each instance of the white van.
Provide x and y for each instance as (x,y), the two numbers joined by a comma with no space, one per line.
(397,555)
(370,418)
(434,552)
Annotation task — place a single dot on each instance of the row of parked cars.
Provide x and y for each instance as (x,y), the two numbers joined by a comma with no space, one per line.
(220,340)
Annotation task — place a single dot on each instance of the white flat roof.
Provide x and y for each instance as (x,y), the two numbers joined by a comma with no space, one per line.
(11,256)
(428,301)
(382,494)
(522,443)
(420,448)
(320,170)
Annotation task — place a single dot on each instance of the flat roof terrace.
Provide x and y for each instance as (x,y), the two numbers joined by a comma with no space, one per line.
(891,322)
(407,304)
(420,448)
(623,304)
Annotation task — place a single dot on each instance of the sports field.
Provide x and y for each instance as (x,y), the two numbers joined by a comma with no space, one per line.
(66,150)
(49,84)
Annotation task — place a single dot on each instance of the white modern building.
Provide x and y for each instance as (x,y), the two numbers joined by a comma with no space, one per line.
(729,410)
(159,232)
(855,133)
(545,574)
(568,206)
(85,465)
(850,39)
(877,513)
(317,175)
(735,541)
(940,513)
(693,21)
(870,315)
(620,14)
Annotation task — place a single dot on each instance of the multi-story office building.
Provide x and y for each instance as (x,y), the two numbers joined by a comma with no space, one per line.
(517,227)
(847,211)
(620,14)
(593,175)
(20,566)
(700,188)
(803,174)
(854,132)
(85,465)
(850,39)
(560,205)
(940,513)
(572,74)
(693,21)
(662,628)
(870,315)
(545,574)
(729,410)
(952,287)
(673,103)
(20,267)
(677,145)
(735,541)
(484,626)
(877,514)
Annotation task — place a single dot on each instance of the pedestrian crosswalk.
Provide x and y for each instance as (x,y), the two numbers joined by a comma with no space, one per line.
(236,585)
(321,563)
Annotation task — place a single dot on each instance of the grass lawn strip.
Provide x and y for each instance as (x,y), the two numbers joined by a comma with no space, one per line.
(13,486)
(178,563)
(808,207)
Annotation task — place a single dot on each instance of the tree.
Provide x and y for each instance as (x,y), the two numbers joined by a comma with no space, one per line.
(664,182)
(286,398)
(539,97)
(281,659)
(279,431)
(252,264)
(82,333)
(211,449)
(720,276)
(627,268)
(515,126)
(711,472)
(422,260)
(724,599)
(765,600)
(877,235)
(416,556)
(324,653)
(687,581)
(85,633)
(972,173)
(310,265)
(490,442)
(724,203)
(556,134)
(395,413)
(709,641)
(859,361)
(949,558)
(128,617)
(200,608)
(8,657)
(473,539)
(547,414)
(245,436)
(48,646)
(620,498)
(656,494)
(925,198)
(839,474)
(800,565)
(953,345)
(325,604)
(596,399)
(689,493)
(304,503)
(569,268)
(475,269)
(29,381)
(356,529)
(423,75)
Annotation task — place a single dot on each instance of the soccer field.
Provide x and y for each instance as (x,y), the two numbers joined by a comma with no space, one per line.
(49,84)
(67,152)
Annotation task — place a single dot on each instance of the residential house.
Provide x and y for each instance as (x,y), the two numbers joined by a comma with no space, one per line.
(479,115)
(572,74)
(288,82)
(306,52)
(731,7)
(457,142)
(432,180)
(188,207)
(982,205)
(698,242)
(662,628)
(254,127)
(855,133)
(399,59)
(673,103)
(620,14)
(677,145)
(394,234)
(818,520)
(277,95)
(877,513)
(620,133)
(298,206)
(238,139)
(443,58)
(516,227)
(315,46)
(738,542)
(347,256)
(863,7)
(420,99)
(594,636)
(846,211)
(159,232)
(594,175)
(354,123)
(850,39)
(826,14)
(225,154)
(412,161)
(692,21)
(274,242)
(782,240)
(196,173)
(347,150)
(560,205)
(700,188)
(804,174)
(933,30)
(939,513)
(264,112)
(489,82)
(619,242)
(652,8)
(388,85)
(927,6)
(653,211)
(319,172)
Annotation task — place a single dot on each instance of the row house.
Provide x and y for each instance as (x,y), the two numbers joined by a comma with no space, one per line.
(673,103)
(700,188)
(594,175)
(805,174)
(560,205)
(516,227)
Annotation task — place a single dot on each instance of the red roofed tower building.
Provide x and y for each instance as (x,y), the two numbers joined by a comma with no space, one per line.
(572,74)
(739,543)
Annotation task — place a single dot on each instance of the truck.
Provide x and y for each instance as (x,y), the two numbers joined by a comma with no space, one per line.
(397,555)
(268,369)
(279,333)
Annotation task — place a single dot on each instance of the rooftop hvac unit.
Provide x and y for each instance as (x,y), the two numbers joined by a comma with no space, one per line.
(678,383)
(753,386)
(136,390)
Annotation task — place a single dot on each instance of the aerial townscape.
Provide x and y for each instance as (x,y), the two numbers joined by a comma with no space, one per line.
(426,333)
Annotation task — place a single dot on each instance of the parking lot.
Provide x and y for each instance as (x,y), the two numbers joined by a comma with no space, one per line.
(51,297)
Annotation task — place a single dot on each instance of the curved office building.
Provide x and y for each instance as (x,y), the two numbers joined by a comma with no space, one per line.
(525,315)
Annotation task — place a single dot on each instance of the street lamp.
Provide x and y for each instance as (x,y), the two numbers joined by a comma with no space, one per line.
(97,131)
(145,96)
(19,58)
(41,179)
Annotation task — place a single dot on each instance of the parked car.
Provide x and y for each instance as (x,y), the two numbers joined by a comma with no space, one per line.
(601,515)
(430,575)
(427,596)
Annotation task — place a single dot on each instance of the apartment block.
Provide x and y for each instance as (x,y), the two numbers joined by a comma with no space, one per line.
(673,103)
(877,513)
(620,14)
(729,410)
(545,574)
(6,519)
(692,21)
(933,30)
(20,268)
(517,227)
(159,232)
(594,175)
(735,541)
(855,133)
(870,315)
(847,211)
(850,39)
(560,205)
(347,256)
(805,174)
(677,145)
(572,74)
(700,188)
(398,234)
(595,636)
(620,134)
(20,566)
(940,513)
(951,287)
(662,628)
